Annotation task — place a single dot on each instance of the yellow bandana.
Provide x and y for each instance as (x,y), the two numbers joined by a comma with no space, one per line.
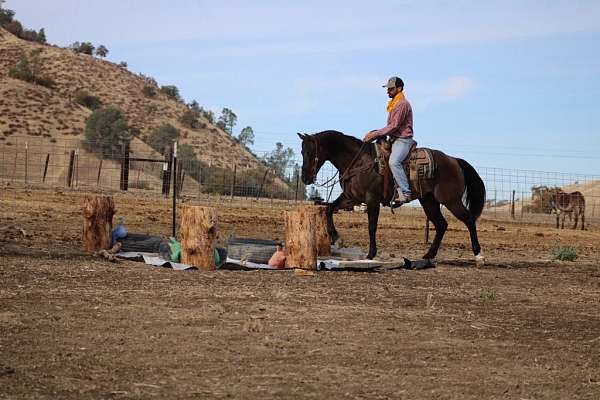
(394,102)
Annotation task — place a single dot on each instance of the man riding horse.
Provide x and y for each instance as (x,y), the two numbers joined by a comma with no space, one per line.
(400,130)
(441,179)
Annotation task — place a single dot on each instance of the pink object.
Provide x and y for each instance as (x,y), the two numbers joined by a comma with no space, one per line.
(278,258)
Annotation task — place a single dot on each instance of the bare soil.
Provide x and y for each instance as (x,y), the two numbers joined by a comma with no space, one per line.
(76,327)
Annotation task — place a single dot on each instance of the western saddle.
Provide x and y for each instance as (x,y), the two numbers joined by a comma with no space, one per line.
(419,167)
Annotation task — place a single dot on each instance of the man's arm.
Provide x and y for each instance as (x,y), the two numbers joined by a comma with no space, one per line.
(397,116)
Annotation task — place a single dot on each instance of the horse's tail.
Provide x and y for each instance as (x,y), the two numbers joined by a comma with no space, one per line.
(474,187)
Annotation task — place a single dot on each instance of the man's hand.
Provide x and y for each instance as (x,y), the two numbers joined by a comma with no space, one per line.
(369,137)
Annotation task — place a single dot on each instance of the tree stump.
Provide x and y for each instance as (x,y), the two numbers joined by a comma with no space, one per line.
(321,234)
(198,236)
(98,213)
(300,239)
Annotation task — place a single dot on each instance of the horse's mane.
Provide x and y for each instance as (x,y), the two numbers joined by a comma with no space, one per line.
(337,137)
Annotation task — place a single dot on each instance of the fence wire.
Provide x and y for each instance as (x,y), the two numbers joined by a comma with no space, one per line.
(511,193)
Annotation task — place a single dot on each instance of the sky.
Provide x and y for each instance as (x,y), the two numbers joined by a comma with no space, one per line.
(506,84)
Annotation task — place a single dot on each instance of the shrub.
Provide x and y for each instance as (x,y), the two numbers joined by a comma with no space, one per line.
(488,295)
(171,92)
(106,131)
(84,47)
(209,115)
(28,70)
(148,79)
(6,15)
(101,51)
(122,64)
(87,100)
(162,137)
(149,91)
(14,27)
(190,119)
(566,253)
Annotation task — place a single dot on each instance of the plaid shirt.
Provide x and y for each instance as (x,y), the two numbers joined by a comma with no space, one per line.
(399,122)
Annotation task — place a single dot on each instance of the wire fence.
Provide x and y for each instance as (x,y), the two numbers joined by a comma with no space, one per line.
(520,195)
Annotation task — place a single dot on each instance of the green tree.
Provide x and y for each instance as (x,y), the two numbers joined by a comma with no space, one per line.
(84,47)
(279,159)
(6,15)
(209,115)
(29,69)
(227,120)
(194,106)
(162,137)
(171,91)
(106,130)
(42,36)
(246,136)
(101,51)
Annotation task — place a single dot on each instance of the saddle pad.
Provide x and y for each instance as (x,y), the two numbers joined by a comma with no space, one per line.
(421,165)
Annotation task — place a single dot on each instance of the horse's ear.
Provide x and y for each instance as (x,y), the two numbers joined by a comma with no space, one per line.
(301,135)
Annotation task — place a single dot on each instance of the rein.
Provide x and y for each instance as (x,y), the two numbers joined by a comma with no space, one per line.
(343,176)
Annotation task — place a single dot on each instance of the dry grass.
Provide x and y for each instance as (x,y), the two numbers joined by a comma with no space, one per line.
(37,111)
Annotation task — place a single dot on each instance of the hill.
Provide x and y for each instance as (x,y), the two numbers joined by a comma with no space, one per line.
(52,114)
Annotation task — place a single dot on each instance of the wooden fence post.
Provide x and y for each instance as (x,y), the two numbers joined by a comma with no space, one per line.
(46,167)
(124,181)
(512,205)
(26,162)
(233,182)
(71,167)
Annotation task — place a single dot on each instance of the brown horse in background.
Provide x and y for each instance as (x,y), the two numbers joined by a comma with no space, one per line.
(361,183)
(568,203)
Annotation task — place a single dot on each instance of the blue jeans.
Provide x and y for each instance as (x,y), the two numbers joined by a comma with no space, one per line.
(400,149)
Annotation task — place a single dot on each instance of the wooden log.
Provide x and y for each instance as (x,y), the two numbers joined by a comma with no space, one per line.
(198,236)
(98,213)
(321,235)
(300,239)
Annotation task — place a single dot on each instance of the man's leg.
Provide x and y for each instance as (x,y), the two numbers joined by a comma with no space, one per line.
(400,150)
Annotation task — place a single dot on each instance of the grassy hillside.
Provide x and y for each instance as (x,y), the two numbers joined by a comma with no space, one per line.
(29,109)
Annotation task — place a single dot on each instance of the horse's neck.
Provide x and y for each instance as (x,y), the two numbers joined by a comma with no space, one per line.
(341,154)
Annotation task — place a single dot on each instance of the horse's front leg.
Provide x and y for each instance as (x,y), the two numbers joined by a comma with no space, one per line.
(373,212)
(341,202)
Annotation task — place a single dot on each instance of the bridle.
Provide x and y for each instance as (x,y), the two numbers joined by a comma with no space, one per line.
(343,177)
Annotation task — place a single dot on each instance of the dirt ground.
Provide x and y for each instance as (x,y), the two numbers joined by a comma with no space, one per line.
(75,327)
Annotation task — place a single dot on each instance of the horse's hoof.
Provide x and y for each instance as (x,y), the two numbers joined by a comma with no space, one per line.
(479,260)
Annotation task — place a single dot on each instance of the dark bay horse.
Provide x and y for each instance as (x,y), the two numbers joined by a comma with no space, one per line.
(362,183)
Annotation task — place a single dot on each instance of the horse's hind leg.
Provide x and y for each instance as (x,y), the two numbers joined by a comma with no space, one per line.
(576,219)
(582,220)
(460,211)
(434,214)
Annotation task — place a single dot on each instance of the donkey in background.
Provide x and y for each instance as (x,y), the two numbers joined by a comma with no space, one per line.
(564,203)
